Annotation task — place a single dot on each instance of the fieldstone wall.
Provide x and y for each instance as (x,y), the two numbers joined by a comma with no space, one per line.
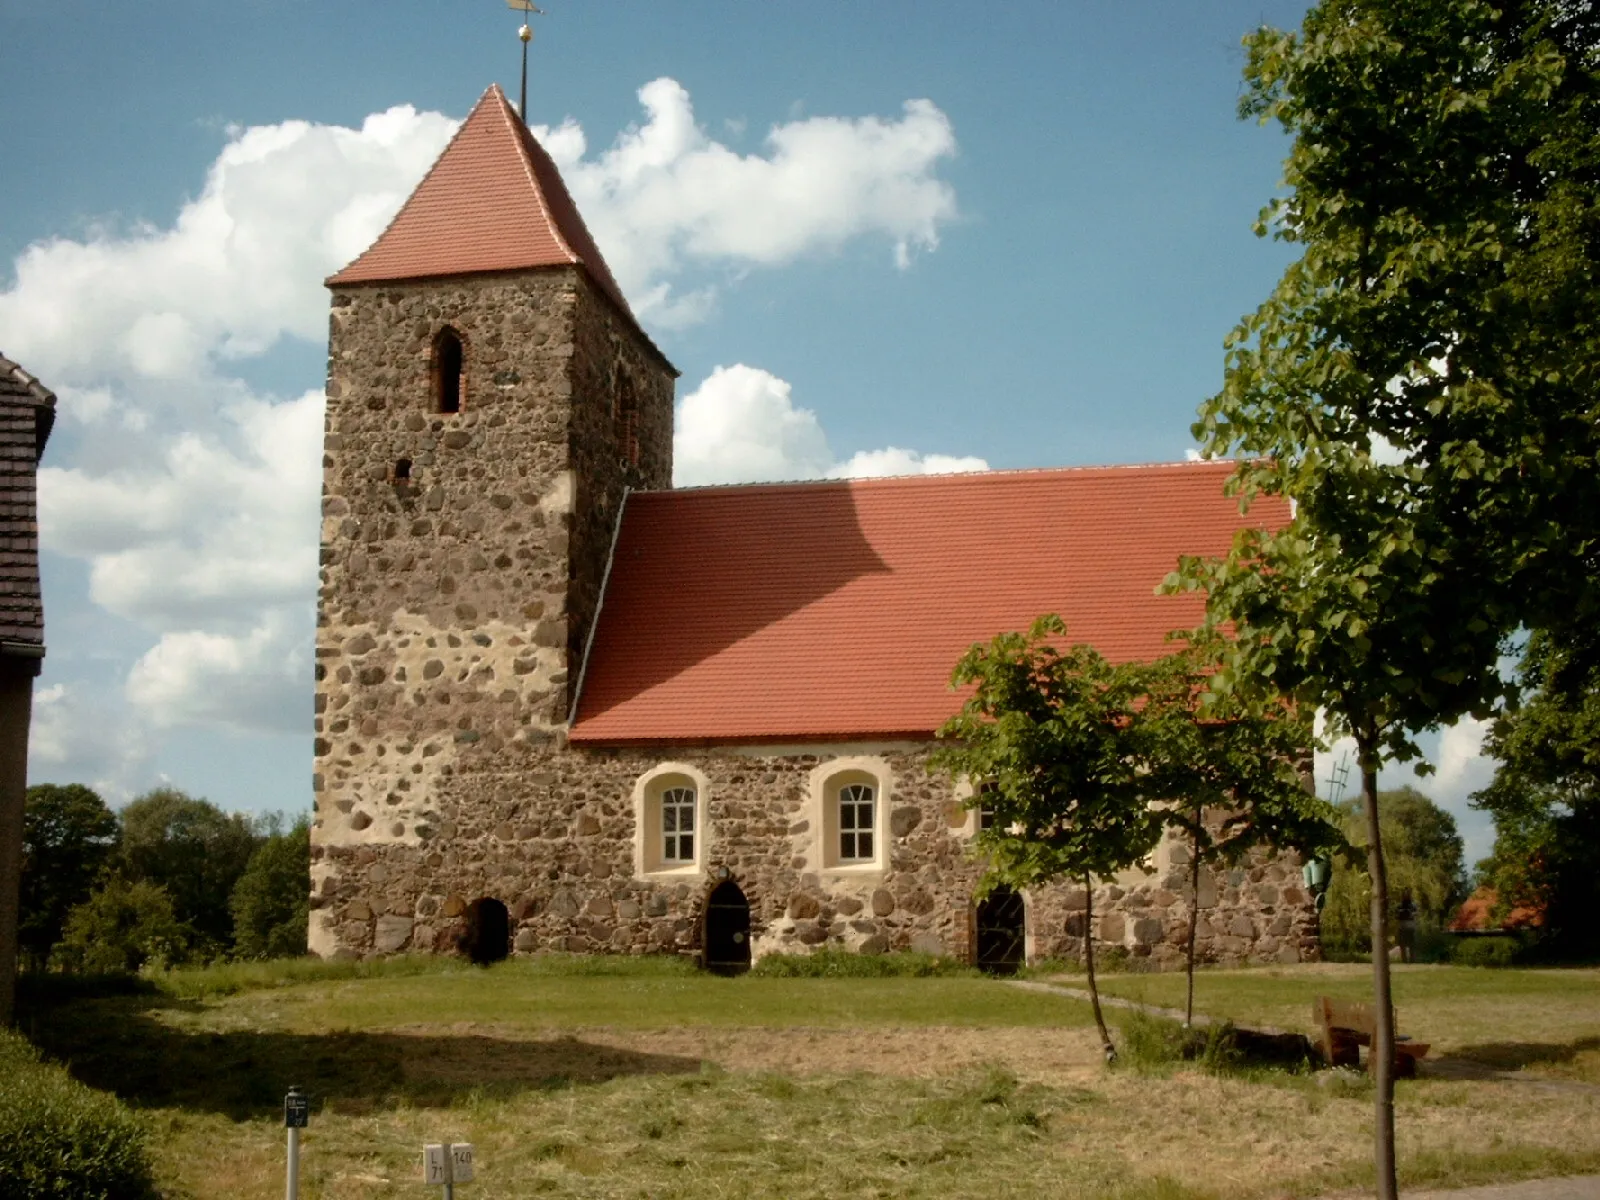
(550,833)
(453,588)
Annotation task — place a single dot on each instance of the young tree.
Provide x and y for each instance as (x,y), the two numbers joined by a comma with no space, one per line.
(1421,381)
(271,901)
(1233,777)
(1049,732)
(68,838)
(193,850)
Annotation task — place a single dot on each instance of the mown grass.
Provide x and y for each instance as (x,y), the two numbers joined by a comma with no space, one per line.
(616,1078)
(1545,1021)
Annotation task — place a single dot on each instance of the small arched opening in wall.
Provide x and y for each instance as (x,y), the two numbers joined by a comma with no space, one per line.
(725,932)
(1000,932)
(488,935)
(449,373)
(625,417)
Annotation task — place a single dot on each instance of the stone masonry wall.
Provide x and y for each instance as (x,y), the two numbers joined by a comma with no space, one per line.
(550,833)
(450,598)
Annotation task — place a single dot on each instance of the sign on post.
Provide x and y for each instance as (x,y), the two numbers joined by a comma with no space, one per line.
(448,1163)
(296,1109)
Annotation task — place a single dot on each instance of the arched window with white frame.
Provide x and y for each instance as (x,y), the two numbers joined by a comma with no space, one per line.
(670,823)
(848,805)
(858,803)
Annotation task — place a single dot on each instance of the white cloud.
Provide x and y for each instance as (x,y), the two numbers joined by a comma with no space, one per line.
(741,425)
(76,734)
(260,680)
(666,195)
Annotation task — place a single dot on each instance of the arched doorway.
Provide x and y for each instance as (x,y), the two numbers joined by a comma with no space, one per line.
(1002,928)
(726,944)
(488,936)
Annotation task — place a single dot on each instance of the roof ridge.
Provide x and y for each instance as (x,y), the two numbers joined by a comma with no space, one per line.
(929,478)
(13,372)
(522,135)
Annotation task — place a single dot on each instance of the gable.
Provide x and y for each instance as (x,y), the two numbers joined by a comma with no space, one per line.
(27,410)
(837,610)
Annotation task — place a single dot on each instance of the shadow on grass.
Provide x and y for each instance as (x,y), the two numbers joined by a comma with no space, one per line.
(1513,1056)
(120,1045)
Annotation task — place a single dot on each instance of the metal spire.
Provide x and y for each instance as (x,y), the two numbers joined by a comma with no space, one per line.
(526,35)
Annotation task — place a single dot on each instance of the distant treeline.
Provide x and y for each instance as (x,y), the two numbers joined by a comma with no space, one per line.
(169,880)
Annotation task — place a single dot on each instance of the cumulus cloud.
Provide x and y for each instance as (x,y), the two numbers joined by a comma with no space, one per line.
(259,680)
(666,196)
(741,425)
(78,733)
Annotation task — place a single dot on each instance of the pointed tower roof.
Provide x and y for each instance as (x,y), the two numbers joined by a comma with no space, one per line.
(493,201)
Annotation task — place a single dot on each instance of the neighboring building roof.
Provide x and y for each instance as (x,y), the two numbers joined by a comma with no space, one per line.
(27,411)
(788,612)
(493,201)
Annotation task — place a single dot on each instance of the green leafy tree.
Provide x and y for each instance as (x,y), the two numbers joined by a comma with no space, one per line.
(194,851)
(122,927)
(1422,380)
(1545,797)
(1051,735)
(1233,777)
(271,901)
(1424,858)
(68,838)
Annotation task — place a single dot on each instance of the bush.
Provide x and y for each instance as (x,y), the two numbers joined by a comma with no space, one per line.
(122,927)
(59,1139)
(1494,951)
(842,964)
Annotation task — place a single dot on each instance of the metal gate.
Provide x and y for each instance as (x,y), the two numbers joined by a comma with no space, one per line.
(726,944)
(1001,934)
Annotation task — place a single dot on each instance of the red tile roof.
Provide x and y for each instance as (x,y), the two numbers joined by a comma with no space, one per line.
(494,201)
(27,410)
(837,610)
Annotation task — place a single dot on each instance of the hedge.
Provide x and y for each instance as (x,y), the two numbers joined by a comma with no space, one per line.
(60,1139)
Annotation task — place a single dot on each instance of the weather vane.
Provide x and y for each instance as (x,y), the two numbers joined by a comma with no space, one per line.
(526,34)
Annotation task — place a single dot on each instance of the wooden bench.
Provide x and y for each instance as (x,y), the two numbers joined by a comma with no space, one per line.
(1344,1026)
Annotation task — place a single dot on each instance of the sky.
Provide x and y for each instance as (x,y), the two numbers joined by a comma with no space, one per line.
(875,239)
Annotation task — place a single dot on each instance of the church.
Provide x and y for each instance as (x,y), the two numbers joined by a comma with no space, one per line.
(562,705)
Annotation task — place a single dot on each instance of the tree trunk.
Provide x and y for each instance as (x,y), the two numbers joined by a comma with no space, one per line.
(1194,912)
(1382,998)
(1088,960)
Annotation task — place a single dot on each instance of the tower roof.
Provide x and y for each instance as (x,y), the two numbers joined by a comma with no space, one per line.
(493,201)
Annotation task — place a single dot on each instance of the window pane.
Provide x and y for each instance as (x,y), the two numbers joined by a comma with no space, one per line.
(669,818)
(686,846)
(863,845)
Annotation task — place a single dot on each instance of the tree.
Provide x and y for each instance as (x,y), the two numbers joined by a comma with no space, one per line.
(1545,797)
(1050,735)
(193,850)
(1423,854)
(68,838)
(271,901)
(122,927)
(1233,777)
(1421,381)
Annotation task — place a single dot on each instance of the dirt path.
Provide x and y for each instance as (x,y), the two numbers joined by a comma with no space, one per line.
(596,1053)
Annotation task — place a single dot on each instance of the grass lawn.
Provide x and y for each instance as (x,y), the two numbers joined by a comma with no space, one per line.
(627,1078)
(1545,1022)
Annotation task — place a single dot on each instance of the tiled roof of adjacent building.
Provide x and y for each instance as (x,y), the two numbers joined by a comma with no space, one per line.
(837,610)
(494,201)
(27,411)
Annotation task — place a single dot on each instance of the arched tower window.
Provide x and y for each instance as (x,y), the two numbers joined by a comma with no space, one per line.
(447,371)
(627,421)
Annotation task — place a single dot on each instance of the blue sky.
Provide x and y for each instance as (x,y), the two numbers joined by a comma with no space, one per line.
(1036,266)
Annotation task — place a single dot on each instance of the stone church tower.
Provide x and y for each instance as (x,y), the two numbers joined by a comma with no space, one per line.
(490,402)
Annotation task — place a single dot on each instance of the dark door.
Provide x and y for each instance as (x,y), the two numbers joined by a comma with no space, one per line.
(1002,926)
(727,930)
(488,937)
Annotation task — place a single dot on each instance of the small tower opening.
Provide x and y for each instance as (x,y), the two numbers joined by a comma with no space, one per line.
(402,471)
(626,417)
(487,938)
(447,371)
